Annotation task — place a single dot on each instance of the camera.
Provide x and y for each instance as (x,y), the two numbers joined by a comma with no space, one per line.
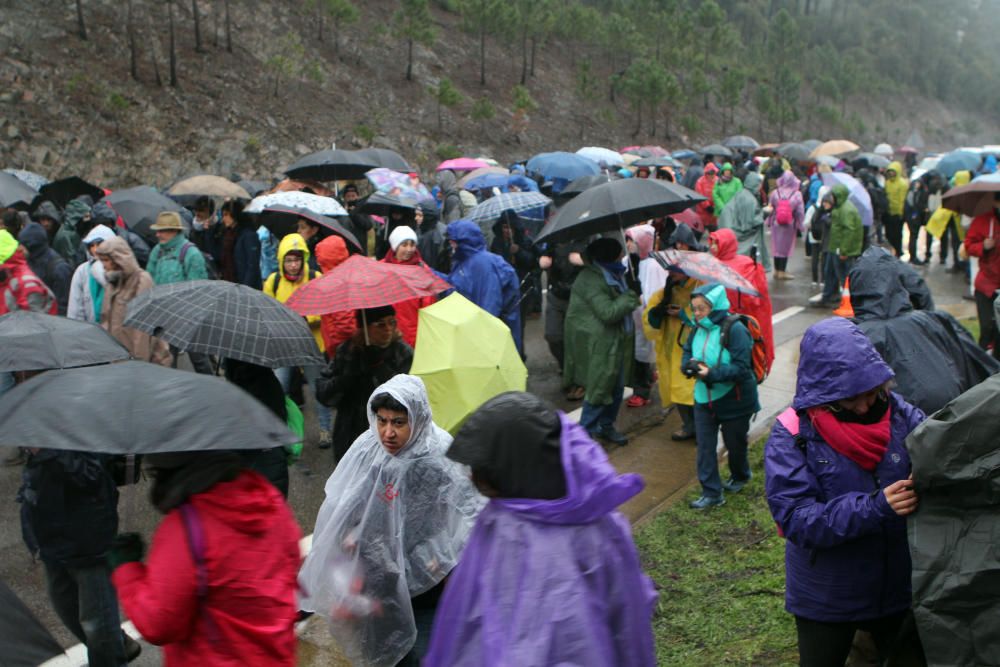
(691,368)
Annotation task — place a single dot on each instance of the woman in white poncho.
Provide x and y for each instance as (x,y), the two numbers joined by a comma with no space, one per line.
(396,517)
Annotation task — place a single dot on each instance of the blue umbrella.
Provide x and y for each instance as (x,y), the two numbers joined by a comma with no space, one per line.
(567,166)
(684,154)
(956,161)
(857,194)
(487,182)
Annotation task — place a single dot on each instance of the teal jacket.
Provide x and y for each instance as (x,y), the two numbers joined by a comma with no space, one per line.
(730,390)
(165,262)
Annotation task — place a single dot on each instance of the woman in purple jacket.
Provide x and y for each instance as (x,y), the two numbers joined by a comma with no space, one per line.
(838,485)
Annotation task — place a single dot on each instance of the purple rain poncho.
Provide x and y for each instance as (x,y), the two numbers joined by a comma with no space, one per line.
(551,582)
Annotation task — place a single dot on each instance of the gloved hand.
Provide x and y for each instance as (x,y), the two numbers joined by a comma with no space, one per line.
(126,548)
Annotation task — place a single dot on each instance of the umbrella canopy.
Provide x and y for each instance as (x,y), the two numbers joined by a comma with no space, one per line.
(13,190)
(301,184)
(26,642)
(973,198)
(156,410)
(360,282)
(793,151)
(858,195)
(207,185)
(828,160)
(567,166)
(915,139)
(482,171)
(885,150)
(297,200)
(617,205)
(716,149)
(586,182)
(602,156)
(283,220)
(526,204)
(957,161)
(462,164)
(657,161)
(139,206)
(332,165)
(741,142)
(811,144)
(227,320)
(382,203)
(908,149)
(29,178)
(254,188)
(65,190)
(35,342)
(386,158)
(705,267)
(684,154)
(835,147)
(486,181)
(387,180)
(465,357)
(872,160)
(766,149)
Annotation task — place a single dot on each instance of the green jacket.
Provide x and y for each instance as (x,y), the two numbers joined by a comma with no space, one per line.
(165,262)
(724,192)
(846,230)
(599,343)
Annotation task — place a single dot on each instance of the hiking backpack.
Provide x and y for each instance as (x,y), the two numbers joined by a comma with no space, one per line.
(758,351)
(783,212)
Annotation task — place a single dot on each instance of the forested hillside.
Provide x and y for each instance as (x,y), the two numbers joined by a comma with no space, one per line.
(148,90)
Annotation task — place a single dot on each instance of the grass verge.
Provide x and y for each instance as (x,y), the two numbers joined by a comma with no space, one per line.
(721,579)
(972,324)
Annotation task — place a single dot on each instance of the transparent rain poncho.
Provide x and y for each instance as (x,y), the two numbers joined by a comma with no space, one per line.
(391,528)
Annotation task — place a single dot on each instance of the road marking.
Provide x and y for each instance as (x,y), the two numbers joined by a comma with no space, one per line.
(787,313)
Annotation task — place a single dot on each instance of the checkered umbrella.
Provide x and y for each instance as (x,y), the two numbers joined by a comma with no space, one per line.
(227,320)
(359,282)
(527,204)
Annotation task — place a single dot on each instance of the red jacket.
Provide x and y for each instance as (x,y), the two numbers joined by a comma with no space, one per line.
(406,311)
(20,289)
(705,185)
(985,226)
(252,560)
(335,328)
(757,307)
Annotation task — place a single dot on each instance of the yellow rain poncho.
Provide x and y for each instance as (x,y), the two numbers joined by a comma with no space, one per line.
(939,221)
(669,341)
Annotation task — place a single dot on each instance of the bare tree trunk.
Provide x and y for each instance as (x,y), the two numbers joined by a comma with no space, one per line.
(524,55)
(336,40)
(534,52)
(319,24)
(482,55)
(215,24)
(409,59)
(132,51)
(229,33)
(173,44)
(81,27)
(154,45)
(197,27)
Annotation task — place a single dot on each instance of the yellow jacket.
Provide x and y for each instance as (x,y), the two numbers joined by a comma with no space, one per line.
(895,189)
(939,221)
(669,342)
(280,288)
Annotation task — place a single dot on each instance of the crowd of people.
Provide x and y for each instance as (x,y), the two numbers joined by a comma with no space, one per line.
(428,547)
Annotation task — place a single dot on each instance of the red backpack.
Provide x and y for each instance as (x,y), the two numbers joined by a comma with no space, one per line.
(758,353)
(783,212)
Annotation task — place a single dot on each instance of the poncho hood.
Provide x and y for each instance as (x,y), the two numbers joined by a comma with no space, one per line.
(469,238)
(726,244)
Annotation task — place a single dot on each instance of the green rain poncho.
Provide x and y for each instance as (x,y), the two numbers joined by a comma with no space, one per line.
(723,192)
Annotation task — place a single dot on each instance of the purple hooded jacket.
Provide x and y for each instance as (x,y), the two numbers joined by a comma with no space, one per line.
(846,555)
(551,582)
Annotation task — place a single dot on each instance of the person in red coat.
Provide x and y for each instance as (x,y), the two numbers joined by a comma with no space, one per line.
(20,289)
(981,242)
(723,245)
(336,328)
(705,185)
(219,585)
(403,250)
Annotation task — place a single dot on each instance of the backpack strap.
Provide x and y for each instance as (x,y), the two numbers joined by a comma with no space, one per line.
(727,325)
(187,245)
(790,420)
(196,546)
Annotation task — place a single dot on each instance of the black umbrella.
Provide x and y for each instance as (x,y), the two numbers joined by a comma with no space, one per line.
(36,341)
(659,161)
(617,205)
(65,190)
(226,320)
(282,221)
(585,183)
(254,187)
(139,207)
(386,158)
(13,190)
(741,142)
(716,149)
(136,407)
(26,642)
(794,151)
(332,165)
(381,203)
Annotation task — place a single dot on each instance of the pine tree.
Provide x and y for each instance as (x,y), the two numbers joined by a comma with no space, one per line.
(412,22)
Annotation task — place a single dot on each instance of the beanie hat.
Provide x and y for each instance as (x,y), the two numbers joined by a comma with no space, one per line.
(370,315)
(401,234)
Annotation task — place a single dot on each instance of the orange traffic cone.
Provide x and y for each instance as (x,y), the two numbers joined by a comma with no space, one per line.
(845,309)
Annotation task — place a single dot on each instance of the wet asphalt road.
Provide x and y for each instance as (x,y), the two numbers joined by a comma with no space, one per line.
(649,426)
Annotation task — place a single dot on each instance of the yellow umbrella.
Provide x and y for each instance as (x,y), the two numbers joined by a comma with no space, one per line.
(836,147)
(465,357)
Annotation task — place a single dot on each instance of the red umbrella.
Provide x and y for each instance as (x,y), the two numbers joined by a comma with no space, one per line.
(973,198)
(704,267)
(359,282)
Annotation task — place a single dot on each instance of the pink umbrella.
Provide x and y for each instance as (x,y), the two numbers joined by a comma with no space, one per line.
(462,164)
(907,149)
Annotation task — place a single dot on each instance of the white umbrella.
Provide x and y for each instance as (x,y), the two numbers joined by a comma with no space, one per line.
(884,150)
(602,156)
(298,200)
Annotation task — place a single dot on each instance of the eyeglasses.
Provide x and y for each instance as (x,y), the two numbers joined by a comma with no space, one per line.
(389,323)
